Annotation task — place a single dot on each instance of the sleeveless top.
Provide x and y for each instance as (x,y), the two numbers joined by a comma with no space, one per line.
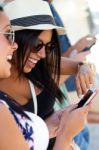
(34,129)
(45,104)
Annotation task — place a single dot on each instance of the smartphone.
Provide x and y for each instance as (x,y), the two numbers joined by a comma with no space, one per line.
(87,98)
(89,47)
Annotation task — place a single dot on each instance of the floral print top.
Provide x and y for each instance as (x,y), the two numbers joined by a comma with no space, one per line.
(34,129)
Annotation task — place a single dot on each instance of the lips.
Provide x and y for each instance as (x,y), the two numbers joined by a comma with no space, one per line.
(32,62)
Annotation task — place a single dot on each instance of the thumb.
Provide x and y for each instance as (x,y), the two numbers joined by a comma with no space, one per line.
(71,107)
(85,53)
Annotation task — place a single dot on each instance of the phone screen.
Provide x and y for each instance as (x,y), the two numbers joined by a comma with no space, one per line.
(87,98)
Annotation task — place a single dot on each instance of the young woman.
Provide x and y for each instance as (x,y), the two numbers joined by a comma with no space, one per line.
(7,45)
(32,63)
(8,127)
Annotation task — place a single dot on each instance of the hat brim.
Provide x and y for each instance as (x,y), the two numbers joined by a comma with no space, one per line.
(60,30)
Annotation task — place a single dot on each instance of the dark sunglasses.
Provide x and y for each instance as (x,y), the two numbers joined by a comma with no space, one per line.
(10,36)
(49,47)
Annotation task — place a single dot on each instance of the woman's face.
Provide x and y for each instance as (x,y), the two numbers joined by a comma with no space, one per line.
(44,39)
(7,45)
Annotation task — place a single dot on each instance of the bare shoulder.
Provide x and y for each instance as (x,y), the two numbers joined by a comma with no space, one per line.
(10,132)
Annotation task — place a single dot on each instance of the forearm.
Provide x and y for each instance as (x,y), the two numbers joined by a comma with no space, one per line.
(63,78)
(68,66)
(62,143)
(68,52)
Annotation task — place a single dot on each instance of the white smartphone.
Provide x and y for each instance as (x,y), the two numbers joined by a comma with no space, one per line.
(87,98)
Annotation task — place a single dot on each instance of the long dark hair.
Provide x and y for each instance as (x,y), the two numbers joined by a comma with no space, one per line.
(41,75)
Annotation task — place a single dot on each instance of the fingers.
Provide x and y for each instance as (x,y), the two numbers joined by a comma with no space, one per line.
(70,108)
(78,87)
(91,38)
(84,79)
(82,83)
(85,42)
(84,110)
(85,53)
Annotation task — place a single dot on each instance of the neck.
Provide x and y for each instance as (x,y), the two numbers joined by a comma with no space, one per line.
(15,87)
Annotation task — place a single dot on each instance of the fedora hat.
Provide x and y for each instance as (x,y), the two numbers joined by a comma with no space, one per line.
(32,14)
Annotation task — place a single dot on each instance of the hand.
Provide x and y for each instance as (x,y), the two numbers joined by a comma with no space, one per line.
(84,42)
(84,79)
(79,56)
(72,121)
(52,123)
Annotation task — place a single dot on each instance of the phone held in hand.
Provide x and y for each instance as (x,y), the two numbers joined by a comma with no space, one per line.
(87,98)
(89,47)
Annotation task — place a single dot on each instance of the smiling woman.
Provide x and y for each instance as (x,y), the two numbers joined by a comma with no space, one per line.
(7,45)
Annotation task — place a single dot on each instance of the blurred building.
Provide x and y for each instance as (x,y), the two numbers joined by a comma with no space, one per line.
(75,15)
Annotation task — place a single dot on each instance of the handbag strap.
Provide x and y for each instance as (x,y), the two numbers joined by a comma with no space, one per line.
(33,96)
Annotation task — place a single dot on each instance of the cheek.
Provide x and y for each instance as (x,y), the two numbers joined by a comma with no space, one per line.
(3,52)
(4,48)
(5,68)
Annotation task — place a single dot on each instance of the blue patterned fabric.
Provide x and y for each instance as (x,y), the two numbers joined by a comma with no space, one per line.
(31,125)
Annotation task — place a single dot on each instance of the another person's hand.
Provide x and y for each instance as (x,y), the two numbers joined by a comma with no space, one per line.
(84,43)
(84,79)
(79,56)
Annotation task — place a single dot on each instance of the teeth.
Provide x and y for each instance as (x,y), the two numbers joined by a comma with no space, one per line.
(9,57)
(33,61)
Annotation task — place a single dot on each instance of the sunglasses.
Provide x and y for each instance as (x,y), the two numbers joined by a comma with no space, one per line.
(49,47)
(10,36)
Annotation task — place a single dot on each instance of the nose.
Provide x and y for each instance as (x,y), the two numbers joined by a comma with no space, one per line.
(41,53)
(14,46)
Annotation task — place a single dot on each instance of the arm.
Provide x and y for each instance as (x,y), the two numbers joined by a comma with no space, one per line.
(63,78)
(68,66)
(61,144)
(80,45)
(83,72)
(10,135)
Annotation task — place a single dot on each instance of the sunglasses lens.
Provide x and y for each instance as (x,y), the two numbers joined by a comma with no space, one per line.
(38,45)
(50,47)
